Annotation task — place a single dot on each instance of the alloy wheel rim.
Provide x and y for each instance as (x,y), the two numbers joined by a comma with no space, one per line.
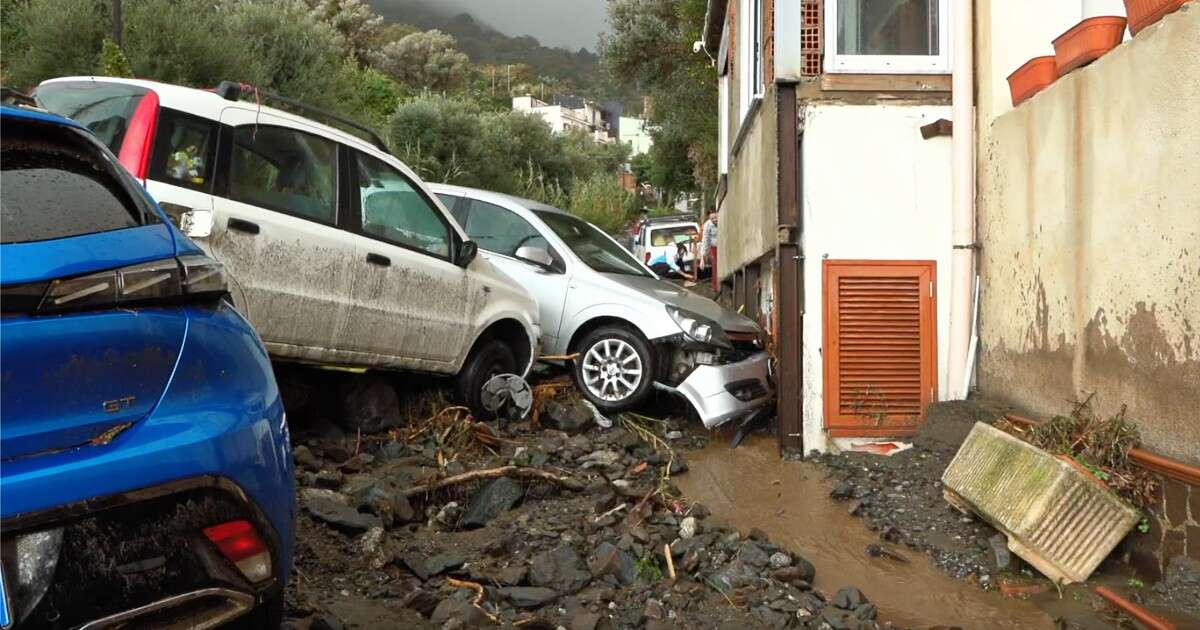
(612,370)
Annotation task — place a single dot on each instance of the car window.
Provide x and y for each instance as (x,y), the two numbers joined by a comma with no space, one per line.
(660,237)
(286,170)
(183,150)
(393,209)
(500,230)
(55,183)
(104,108)
(592,246)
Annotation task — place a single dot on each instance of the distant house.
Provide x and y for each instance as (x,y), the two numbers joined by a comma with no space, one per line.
(571,113)
(633,132)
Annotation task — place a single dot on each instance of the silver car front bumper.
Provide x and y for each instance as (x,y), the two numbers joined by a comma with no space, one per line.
(710,389)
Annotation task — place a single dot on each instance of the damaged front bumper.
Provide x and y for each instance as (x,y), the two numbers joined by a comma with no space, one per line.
(720,393)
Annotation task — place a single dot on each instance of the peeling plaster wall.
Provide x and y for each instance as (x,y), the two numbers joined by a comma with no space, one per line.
(750,207)
(873,189)
(1089,216)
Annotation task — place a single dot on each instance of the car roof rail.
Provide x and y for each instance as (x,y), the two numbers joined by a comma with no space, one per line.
(672,217)
(234,91)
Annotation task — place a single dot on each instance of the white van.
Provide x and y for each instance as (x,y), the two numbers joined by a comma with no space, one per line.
(340,254)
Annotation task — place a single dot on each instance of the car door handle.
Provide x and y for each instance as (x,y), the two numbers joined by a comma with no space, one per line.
(376,259)
(243,225)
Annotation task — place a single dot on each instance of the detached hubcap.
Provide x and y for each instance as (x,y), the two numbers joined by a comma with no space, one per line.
(612,370)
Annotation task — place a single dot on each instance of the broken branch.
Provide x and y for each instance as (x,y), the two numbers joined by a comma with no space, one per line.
(478,588)
(492,473)
(670,562)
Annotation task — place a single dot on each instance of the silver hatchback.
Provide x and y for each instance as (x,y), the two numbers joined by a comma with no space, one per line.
(628,330)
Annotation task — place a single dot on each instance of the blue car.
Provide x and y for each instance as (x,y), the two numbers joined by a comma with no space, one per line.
(145,463)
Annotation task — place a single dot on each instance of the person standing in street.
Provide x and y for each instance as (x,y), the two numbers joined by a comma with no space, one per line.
(708,248)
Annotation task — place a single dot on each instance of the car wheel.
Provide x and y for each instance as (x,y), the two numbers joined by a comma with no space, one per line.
(615,368)
(490,359)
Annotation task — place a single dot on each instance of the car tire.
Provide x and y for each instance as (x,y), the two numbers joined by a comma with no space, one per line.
(604,370)
(491,358)
(266,616)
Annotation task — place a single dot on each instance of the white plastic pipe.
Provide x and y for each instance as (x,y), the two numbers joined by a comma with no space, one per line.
(962,261)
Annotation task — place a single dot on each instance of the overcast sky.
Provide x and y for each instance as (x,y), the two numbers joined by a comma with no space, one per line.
(572,24)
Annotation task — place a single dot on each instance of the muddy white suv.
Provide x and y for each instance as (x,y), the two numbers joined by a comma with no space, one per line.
(340,254)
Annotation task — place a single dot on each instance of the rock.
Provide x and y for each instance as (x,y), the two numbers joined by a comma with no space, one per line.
(779,560)
(1001,556)
(311,494)
(494,498)
(866,612)
(771,618)
(673,435)
(357,464)
(879,551)
(609,560)
(838,619)
(329,479)
(375,549)
(385,499)
(654,610)
(687,528)
(753,555)
(460,611)
(425,568)
(325,621)
(500,546)
(842,491)
(734,575)
(678,465)
(448,515)
(566,417)
(421,600)
(528,596)
(849,598)
(758,535)
(583,620)
(561,569)
(801,570)
(369,404)
(512,576)
(341,516)
(305,459)
(599,459)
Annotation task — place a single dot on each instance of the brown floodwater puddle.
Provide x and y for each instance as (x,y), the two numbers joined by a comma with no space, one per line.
(739,487)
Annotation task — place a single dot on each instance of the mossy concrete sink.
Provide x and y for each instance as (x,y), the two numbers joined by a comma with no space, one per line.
(1057,518)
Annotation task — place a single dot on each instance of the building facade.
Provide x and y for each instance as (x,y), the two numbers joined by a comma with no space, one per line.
(570,115)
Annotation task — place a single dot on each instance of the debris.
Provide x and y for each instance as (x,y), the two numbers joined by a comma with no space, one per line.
(340,515)
(879,551)
(993,471)
(1001,556)
(600,419)
(670,562)
(687,527)
(478,596)
(1145,617)
(492,473)
(495,497)
(561,569)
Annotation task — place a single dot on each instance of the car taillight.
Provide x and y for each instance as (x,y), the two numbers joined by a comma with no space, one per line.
(240,543)
(160,280)
(139,136)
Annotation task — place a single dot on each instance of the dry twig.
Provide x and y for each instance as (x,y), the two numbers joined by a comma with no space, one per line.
(478,588)
(492,473)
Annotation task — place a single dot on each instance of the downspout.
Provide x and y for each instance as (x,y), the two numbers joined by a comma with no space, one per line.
(962,262)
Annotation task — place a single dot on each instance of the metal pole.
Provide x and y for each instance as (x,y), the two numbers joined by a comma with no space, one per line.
(118,27)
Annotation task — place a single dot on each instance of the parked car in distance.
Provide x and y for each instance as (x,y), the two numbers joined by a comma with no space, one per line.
(340,254)
(146,474)
(633,331)
(659,236)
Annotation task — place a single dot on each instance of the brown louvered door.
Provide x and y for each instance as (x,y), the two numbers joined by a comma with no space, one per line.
(880,346)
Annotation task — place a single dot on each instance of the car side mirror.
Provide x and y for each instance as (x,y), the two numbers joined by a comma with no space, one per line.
(535,255)
(467,252)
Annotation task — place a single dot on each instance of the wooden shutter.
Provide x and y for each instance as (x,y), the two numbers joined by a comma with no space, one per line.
(880,346)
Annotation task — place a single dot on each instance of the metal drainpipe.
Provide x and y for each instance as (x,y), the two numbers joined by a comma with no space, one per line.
(962,263)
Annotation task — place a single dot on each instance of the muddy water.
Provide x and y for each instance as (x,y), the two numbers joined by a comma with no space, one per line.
(751,487)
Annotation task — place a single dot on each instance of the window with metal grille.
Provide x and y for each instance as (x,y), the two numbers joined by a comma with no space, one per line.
(880,346)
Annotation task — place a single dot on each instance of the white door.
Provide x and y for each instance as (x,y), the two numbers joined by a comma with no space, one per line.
(500,232)
(275,228)
(411,301)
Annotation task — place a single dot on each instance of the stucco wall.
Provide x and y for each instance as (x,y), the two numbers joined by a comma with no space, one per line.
(872,189)
(749,210)
(1089,216)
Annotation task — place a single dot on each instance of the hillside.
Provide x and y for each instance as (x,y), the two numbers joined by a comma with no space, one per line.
(484,44)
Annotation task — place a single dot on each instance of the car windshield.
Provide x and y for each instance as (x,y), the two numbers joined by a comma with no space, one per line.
(592,246)
(104,108)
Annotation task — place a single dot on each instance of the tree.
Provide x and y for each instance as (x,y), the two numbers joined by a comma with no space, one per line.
(48,38)
(184,41)
(650,48)
(425,60)
(363,32)
(113,62)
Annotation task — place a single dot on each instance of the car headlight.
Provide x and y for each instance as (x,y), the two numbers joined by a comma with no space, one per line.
(699,328)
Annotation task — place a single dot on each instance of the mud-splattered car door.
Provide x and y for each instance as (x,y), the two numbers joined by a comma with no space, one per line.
(411,300)
(275,228)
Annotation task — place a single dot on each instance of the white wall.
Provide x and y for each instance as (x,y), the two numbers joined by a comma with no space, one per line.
(873,189)
(634,133)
